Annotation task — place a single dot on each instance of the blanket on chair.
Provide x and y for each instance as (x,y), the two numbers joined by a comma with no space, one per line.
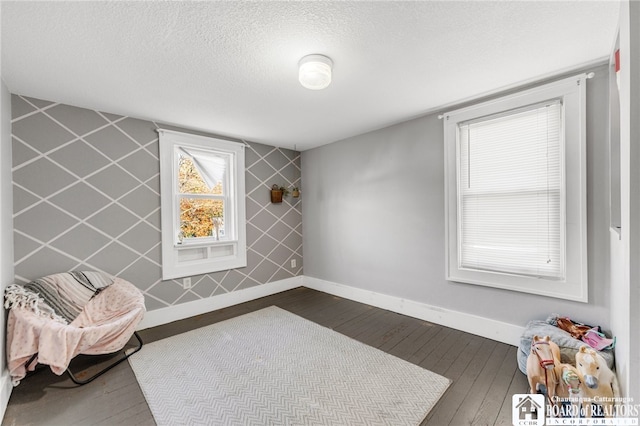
(60,297)
(104,325)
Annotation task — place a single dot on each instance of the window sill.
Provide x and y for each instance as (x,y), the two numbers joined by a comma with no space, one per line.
(200,244)
(559,289)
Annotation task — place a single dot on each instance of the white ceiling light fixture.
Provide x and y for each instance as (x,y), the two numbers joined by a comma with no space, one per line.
(315,71)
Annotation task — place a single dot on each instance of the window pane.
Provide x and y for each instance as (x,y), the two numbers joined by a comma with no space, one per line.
(516,152)
(199,217)
(510,198)
(513,233)
(191,182)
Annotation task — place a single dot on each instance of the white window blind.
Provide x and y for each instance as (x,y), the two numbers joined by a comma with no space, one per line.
(211,166)
(510,201)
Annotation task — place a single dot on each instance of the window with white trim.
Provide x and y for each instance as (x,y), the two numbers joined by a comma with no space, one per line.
(202,204)
(516,192)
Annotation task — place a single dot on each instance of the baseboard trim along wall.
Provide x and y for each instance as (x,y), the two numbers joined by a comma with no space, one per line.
(6,387)
(480,326)
(197,307)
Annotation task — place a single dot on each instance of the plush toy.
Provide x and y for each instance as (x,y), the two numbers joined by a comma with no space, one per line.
(543,359)
(600,383)
(569,389)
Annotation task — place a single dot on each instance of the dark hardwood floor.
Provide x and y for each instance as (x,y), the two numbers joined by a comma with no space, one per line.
(484,372)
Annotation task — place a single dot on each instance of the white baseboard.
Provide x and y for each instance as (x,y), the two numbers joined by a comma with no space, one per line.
(197,307)
(480,326)
(6,387)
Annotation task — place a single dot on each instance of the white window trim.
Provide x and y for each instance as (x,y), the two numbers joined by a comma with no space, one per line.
(572,91)
(208,256)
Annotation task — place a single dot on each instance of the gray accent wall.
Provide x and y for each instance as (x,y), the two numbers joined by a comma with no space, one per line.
(6,227)
(374,219)
(86,194)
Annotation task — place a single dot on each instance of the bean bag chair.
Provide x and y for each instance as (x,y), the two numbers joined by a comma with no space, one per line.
(569,346)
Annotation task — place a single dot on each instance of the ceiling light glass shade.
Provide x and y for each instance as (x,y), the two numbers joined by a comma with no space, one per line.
(315,71)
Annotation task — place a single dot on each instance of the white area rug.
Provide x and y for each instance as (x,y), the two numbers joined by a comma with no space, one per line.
(271,367)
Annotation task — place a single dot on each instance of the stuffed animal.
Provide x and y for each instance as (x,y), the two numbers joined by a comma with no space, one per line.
(600,383)
(542,361)
(569,390)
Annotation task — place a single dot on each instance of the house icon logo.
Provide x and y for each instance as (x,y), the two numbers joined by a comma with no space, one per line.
(528,410)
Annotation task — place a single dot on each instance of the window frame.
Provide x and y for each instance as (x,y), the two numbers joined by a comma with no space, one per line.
(572,93)
(202,255)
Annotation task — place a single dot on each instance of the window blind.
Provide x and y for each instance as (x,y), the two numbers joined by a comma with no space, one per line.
(510,202)
(211,167)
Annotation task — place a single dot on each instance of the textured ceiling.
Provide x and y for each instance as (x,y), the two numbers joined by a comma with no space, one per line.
(231,67)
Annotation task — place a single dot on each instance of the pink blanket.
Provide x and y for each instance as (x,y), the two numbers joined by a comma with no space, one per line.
(104,326)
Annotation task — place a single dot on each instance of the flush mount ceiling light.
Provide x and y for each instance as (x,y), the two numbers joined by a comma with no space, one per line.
(315,71)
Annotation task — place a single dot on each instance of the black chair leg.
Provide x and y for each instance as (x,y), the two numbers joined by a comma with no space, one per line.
(107,368)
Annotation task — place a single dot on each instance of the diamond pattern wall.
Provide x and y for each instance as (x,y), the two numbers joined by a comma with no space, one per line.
(86,194)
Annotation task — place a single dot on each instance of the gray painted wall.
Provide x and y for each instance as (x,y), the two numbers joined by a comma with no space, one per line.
(374,219)
(6,217)
(87,196)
